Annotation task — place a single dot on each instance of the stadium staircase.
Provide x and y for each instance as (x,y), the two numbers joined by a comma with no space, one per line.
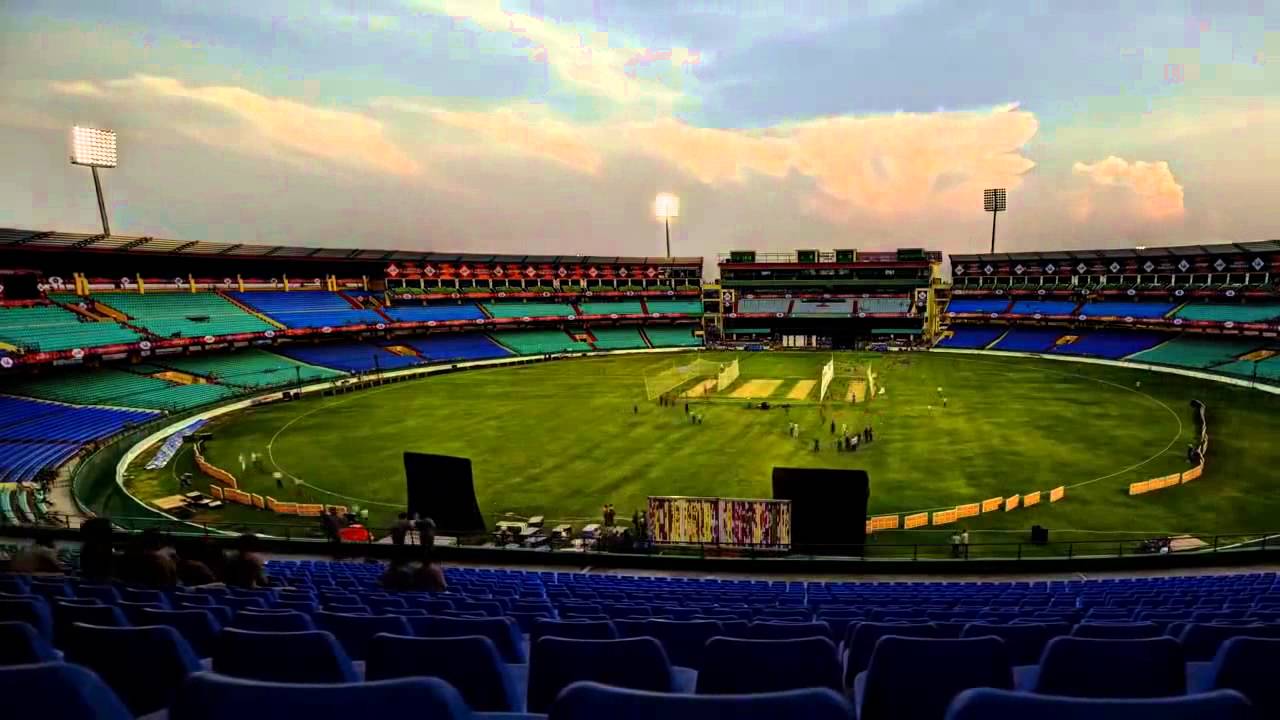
(247,309)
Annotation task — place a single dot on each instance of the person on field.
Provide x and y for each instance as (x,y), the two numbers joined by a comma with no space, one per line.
(833,427)
(964,541)
(955,544)
(332,525)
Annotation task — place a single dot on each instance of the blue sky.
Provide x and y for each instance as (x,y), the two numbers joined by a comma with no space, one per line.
(548,126)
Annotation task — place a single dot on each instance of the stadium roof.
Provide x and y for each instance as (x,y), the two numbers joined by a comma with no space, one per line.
(1261,246)
(11,238)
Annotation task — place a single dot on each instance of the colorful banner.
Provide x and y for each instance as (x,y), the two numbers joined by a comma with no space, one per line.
(720,521)
(171,445)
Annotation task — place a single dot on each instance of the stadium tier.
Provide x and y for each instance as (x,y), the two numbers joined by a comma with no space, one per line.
(1026,339)
(974,338)
(307,309)
(1219,312)
(109,386)
(249,368)
(674,307)
(678,336)
(834,306)
(519,310)
(22,419)
(1200,352)
(627,338)
(23,461)
(764,305)
(436,313)
(1042,307)
(46,328)
(355,357)
(976,305)
(540,342)
(874,305)
(184,314)
(626,307)
(1264,369)
(1113,344)
(446,348)
(1126,309)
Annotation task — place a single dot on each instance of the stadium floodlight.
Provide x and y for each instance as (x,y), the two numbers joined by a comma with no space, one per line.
(665,207)
(95,148)
(994,201)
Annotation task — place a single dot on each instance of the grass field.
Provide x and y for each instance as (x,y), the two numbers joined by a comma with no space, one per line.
(561,438)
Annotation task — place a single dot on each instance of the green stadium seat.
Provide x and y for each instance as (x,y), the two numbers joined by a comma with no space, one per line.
(108,386)
(674,307)
(185,314)
(617,338)
(517,310)
(540,342)
(630,307)
(680,336)
(1198,352)
(49,328)
(250,368)
(1253,312)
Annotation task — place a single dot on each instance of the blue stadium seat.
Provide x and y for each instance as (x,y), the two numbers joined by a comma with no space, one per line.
(108,594)
(1085,667)
(593,701)
(862,643)
(289,657)
(58,690)
(272,622)
(209,696)
(573,629)
(470,664)
(684,641)
(1248,665)
(20,644)
(917,678)
(1201,641)
(732,666)
(788,630)
(504,633)
(143,665)
(32,610)
(1117,631)
(557,663)
(1024,643)
(197,627)
(355,631)
(67,614)
(988,704)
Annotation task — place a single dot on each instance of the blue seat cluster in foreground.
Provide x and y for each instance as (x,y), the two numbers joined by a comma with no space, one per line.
(325,638)
(22,419)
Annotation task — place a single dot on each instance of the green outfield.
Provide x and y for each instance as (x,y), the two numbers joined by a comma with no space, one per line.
(561,438)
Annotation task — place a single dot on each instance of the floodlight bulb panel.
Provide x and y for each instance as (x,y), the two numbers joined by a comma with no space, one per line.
(994,200)
(93,147)
(666,206)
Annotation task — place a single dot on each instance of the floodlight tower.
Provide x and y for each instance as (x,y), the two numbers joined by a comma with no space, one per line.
(665,207)
(994,202)
(95,149)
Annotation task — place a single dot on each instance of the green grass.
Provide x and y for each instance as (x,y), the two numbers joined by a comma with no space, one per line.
(560,438)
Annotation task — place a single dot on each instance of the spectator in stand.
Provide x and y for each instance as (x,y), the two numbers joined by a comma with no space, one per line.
(150,561)
(400,530)
(399,575)
(430,575)
(426,528)
(332,525)
(97,553)
(200,563)
(39,557)
(244,567)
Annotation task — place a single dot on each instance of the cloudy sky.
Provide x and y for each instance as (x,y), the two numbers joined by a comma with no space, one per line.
(549,125)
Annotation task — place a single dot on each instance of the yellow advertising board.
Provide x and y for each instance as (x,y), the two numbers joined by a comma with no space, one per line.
(992,505)
(884,522)
(1140,487)
(1057,493)
(1031,499)
(1011,503)
(916,520)
(968,510)
(1193,473)
(944,517)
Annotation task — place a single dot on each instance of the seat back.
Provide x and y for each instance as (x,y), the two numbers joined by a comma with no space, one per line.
(863,639)
(1117,631)
(58,690)
(918,677)
(1086,667)
(272,622)
(208,696)
(1200,641)
(556,663)
(504,633)
(145,666)
(573,629)
(470,664)
(197,627)
(1248,665)
(66,614)
(593,701)
(788,630)
(33,610)
(684,641)
(20,644)
(731,666)
(1024,643)
(289,657)
(354,631)
(987,704)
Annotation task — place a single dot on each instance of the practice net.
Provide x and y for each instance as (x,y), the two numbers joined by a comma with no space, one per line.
(672,378)
(727,375)
(828,374)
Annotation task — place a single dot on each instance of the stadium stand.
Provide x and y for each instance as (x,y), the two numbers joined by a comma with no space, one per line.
(519,310)
(22,419)
(963,336)
(540,342)
(1126,309)
(884,305)
(678,336)
(184,314)
(249,368)
(835,306)
(1195,351)
(1254,312)
(626,307)
(48,328)
(1043,307)
(469,346)
(674,307)
(1023,339)
(109,386)
(436,313)
(307,309)
(627,338)
(352,357)
(977,305)
(23,461)
(1266,369)
(764,305)
(1113,344)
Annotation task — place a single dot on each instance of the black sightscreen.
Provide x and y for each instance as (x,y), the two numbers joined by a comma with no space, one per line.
(828,508)
(440,487)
